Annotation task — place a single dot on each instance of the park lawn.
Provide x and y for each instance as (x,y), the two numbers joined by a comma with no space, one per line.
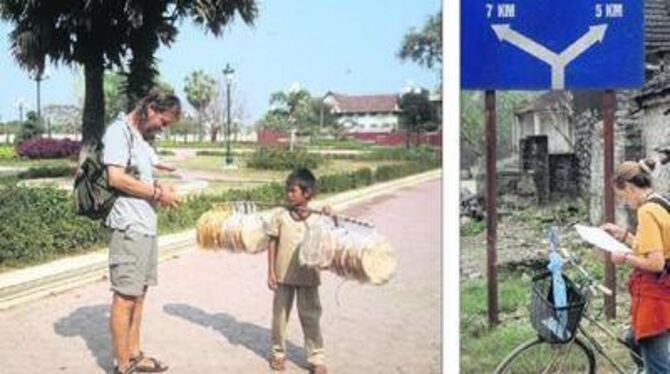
(214,164)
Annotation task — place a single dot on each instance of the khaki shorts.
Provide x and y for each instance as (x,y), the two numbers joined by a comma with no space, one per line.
(133,262)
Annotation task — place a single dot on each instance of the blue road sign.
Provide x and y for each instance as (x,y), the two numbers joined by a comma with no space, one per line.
(551,44)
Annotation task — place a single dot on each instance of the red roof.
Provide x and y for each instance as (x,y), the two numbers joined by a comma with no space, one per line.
(365,103)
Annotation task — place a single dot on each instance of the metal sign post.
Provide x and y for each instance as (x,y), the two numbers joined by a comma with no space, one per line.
(491,207)
(609,101)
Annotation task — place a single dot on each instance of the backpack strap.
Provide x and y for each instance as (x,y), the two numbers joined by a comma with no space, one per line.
(131,144)
(660,199)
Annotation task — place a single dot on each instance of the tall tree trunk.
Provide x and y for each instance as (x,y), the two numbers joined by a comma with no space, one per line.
(213,133)
(93,124)
(200,128)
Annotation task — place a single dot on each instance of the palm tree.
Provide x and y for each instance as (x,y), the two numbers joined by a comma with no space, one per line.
(98,34)
(200,89)
(293,105)
(154,24)
(70,32)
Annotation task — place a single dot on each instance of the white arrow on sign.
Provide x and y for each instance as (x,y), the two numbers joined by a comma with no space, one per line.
(594,35)
(504,32)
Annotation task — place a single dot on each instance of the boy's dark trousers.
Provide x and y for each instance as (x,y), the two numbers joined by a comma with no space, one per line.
(309,312)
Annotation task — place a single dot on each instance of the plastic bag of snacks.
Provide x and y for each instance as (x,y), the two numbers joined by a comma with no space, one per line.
(208,228)
(350,250)
(240,229)
(318,246)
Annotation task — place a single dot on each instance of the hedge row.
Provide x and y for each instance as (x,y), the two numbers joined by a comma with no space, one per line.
(38,224)
(203,144)
(48,148)
(54,171)
(276,159)
(218,153)
(390,154)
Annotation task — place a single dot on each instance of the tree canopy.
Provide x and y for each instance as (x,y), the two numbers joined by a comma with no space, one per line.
(424,47)
(101,34)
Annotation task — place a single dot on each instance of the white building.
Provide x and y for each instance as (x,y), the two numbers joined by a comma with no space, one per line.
(365,113)
(549,114)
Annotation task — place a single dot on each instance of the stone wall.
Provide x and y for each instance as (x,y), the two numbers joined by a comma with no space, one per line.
(584,124)
(562,172)
(655,131)
(535,159)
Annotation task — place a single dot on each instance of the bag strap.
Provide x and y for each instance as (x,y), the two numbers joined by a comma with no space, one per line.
(661,200)
(131,144)
(664,201)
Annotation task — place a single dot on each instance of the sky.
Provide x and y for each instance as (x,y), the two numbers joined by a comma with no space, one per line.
(345,46)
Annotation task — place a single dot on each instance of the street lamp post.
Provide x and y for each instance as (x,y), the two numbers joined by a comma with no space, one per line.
(228,74)
(39,76)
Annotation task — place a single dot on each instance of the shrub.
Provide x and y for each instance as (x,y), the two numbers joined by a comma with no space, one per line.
(38,224)
(388,172)
(283,160)
(345,181)
(392,154)
(32,127)
(7,153)
(164,152)
(48,148)
(53,171)
(218,153)
(472,228)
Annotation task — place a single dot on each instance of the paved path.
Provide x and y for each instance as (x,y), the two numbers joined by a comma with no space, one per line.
(211,312)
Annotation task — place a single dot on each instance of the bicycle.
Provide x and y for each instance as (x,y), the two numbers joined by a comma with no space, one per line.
(557,347)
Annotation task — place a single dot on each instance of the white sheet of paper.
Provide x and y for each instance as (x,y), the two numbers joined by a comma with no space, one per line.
(601,239)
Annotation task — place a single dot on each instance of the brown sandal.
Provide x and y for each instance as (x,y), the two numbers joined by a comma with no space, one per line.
(131,369)
(277,364)
(155,367)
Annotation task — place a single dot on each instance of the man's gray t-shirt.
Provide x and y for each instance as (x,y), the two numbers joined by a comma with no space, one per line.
(129,213)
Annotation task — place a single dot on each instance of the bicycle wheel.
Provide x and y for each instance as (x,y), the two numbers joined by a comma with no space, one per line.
(537,356)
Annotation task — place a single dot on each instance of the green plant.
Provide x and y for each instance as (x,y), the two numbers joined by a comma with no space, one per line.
(31,128)
(38,224)
(165,152)
(472,228)
(49,171)
(218,153)
(283,160)
(7,153)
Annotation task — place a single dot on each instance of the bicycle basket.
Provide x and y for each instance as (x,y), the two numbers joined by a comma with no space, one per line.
(555,324)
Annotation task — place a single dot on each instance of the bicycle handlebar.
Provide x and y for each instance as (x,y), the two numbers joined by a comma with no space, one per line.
(593,285)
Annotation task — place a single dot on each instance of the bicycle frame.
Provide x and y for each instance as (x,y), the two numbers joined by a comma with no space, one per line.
(598,347)
(587,286)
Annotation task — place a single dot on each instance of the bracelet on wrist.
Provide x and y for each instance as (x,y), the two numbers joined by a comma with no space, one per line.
(624,236)
(160,193)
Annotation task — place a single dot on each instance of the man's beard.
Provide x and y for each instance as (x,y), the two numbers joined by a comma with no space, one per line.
(148,134)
